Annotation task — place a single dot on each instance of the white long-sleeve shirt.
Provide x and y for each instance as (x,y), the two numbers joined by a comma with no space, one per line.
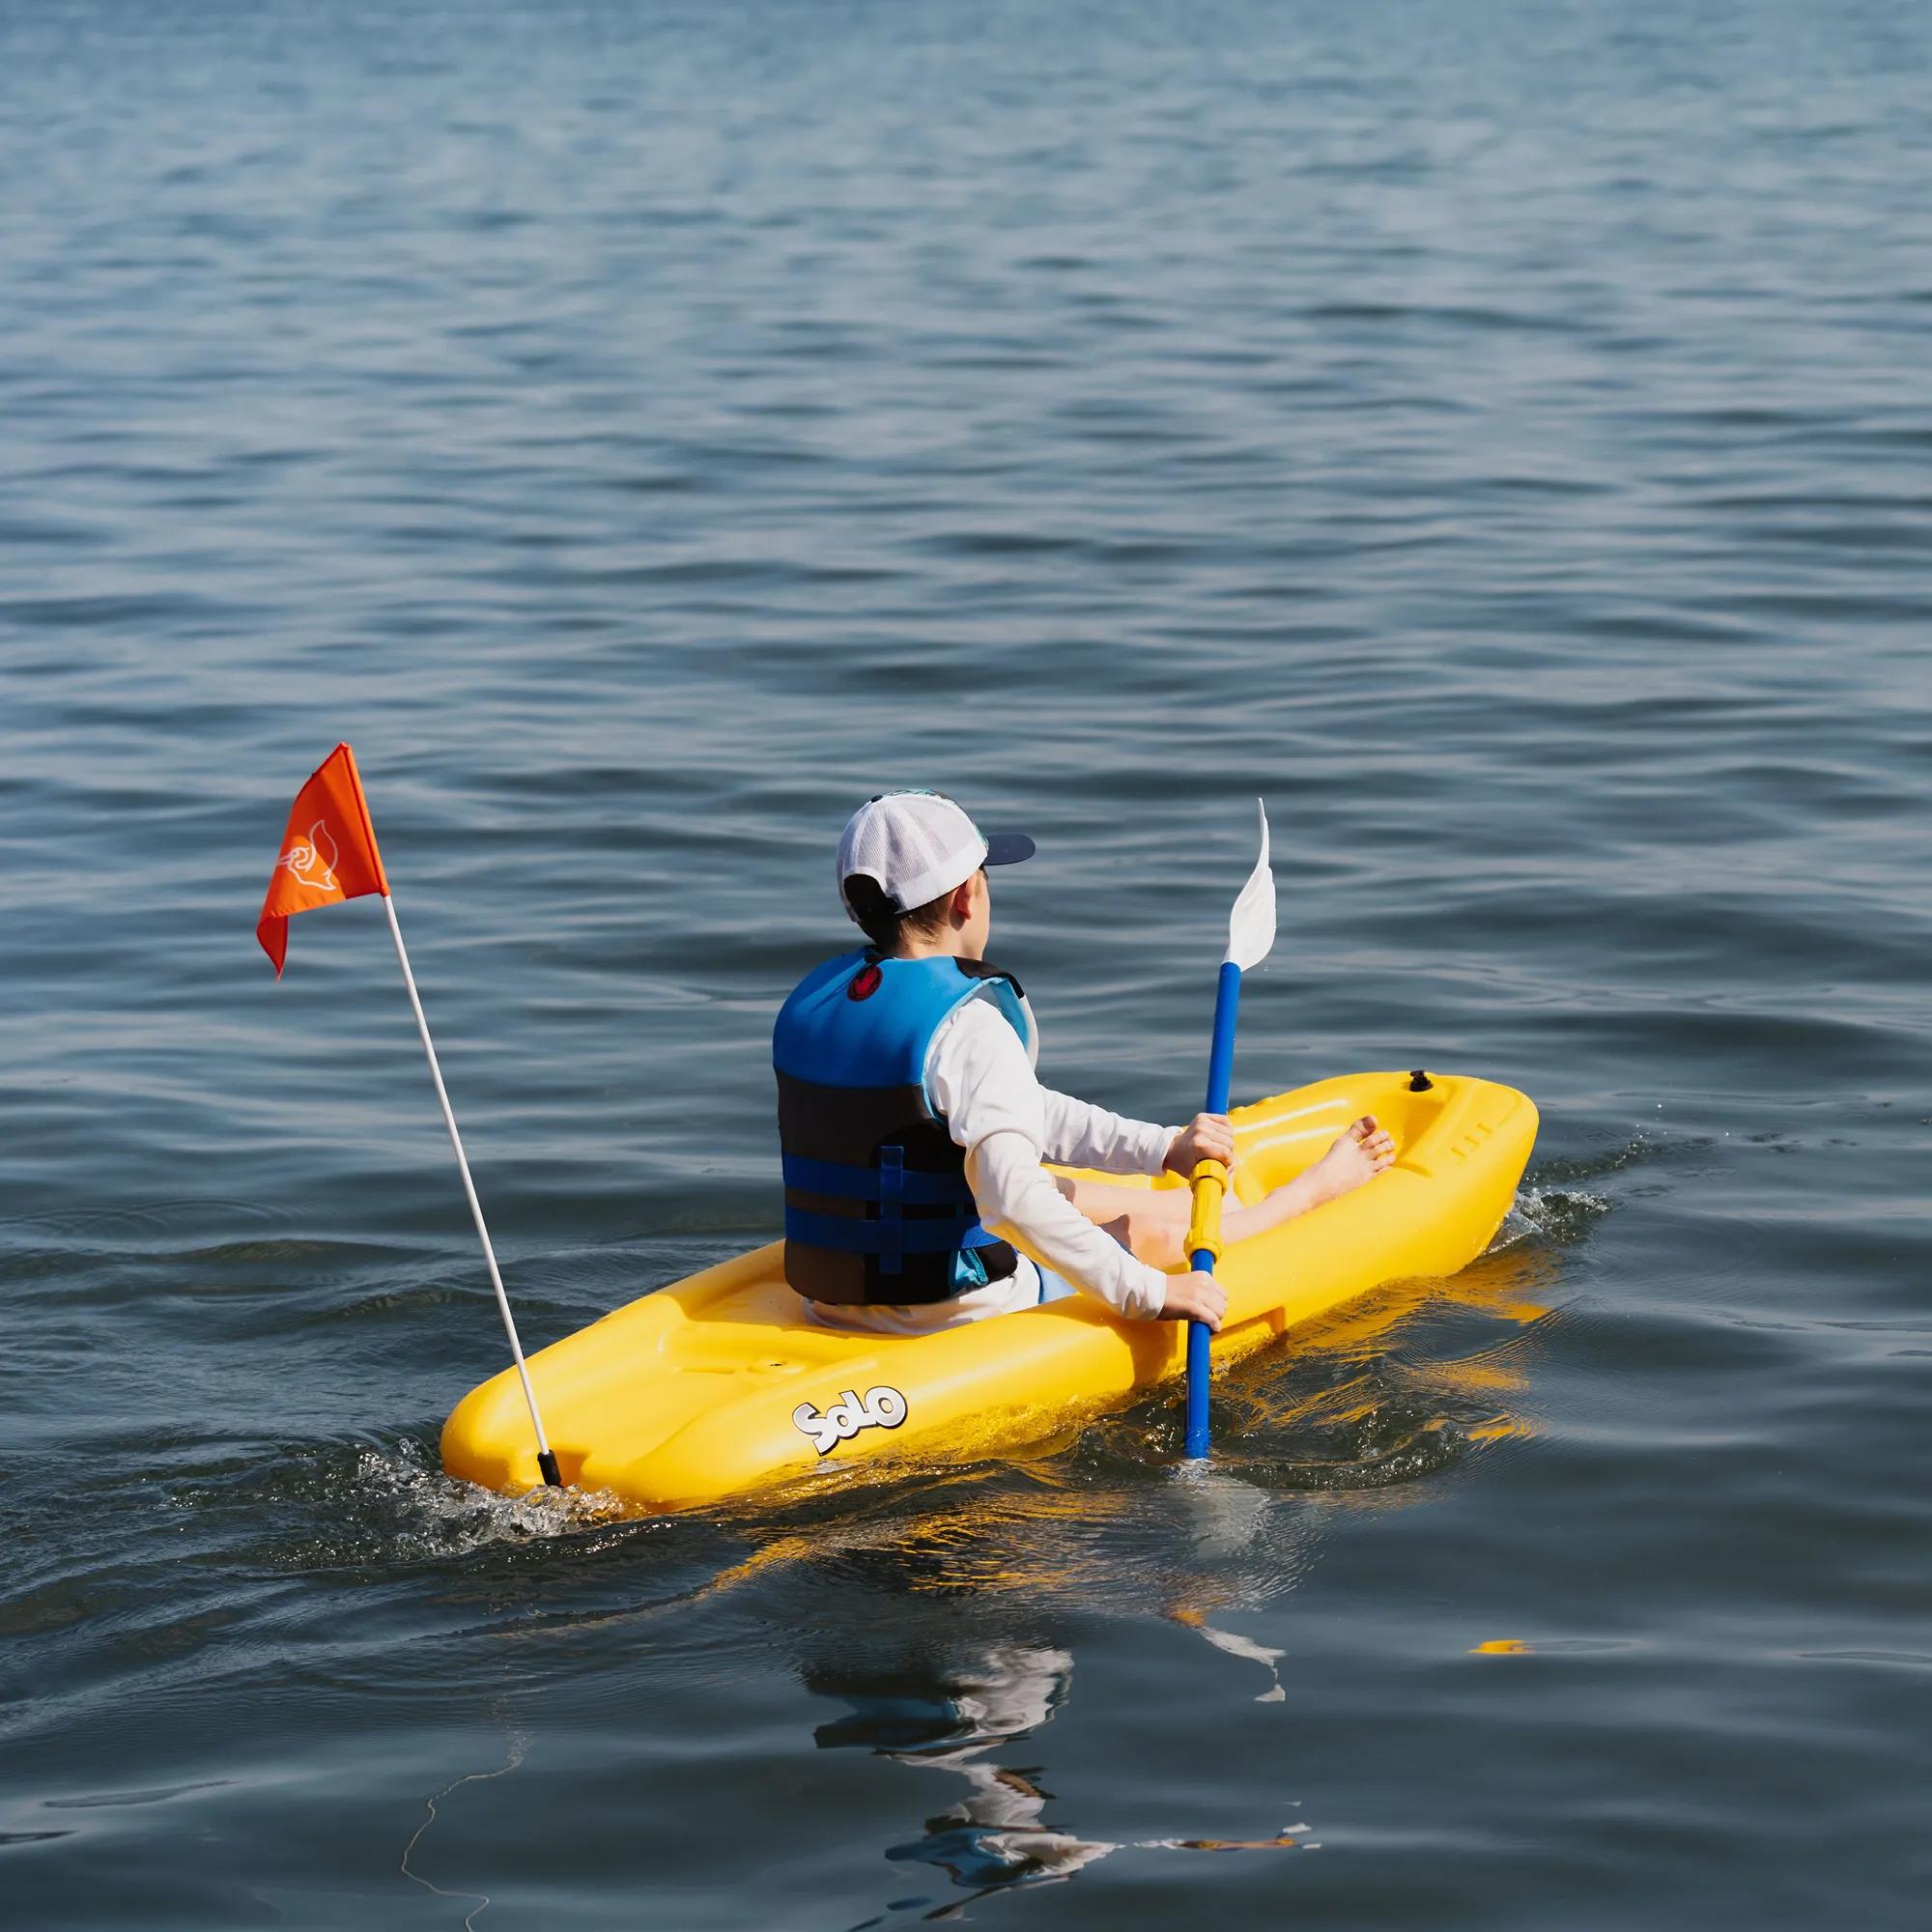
(979,1079)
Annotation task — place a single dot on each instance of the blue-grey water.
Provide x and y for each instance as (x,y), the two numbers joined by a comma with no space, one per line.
(1499,433)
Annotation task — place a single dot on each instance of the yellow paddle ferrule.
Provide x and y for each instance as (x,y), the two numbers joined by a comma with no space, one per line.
(1210,1181)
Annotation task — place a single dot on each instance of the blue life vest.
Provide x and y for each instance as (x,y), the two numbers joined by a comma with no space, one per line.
(877,1205)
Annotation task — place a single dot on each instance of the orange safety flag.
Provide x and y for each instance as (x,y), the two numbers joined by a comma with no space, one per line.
(329,852)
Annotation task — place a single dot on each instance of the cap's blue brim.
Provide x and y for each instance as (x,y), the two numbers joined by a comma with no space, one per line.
(1007,848)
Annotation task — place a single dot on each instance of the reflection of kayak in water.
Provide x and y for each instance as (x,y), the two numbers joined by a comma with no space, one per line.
(949,1720)
(718,1385)
(951,1717)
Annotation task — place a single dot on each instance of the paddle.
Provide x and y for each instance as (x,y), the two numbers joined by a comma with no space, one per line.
(1250,940)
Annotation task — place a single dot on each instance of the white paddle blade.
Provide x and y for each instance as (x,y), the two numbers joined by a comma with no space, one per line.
(1251,927)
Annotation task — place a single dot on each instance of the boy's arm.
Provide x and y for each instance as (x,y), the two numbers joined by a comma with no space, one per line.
(979,1080)
(1080,1134)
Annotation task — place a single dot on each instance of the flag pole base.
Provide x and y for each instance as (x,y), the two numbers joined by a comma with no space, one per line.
(547,1462)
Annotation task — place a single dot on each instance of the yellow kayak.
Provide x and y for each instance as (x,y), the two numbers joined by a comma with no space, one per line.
(718,1385)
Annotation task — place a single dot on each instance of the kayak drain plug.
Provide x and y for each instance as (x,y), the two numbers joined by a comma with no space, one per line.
(1420,1083)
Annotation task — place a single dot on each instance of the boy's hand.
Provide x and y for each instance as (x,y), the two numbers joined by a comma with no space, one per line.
(1195,1297)
(1206,1137)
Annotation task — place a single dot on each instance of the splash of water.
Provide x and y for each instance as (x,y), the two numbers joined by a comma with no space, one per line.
(1559,1217)
(415,1511)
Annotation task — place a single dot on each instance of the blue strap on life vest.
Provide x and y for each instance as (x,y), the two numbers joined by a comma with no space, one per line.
(850,1182)
(864,1237)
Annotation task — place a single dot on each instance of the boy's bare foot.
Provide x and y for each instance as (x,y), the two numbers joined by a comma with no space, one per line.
(1359,1156)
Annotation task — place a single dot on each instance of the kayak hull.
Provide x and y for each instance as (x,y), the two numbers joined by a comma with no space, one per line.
(718,1386)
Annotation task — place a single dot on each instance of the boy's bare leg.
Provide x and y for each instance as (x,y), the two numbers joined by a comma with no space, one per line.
(1147,1222)
(1153,1222)
(1362,1153)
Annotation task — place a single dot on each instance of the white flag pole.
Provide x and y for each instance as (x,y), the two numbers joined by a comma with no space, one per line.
(546,1461)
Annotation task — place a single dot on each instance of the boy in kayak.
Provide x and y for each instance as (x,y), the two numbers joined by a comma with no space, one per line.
(914,1129)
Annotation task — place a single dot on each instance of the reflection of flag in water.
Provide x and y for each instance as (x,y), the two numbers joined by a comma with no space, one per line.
(329,852)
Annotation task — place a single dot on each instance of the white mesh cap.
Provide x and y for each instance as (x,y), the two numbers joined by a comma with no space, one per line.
(917,844)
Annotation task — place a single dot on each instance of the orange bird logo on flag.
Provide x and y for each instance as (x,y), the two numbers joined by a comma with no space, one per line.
(329,853)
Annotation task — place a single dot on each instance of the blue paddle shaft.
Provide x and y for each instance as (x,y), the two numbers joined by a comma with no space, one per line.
(1221,1055)
(1220,1076)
